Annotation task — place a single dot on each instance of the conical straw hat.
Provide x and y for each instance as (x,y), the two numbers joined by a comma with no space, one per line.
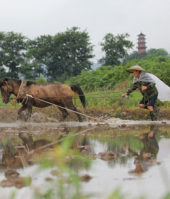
(136,67)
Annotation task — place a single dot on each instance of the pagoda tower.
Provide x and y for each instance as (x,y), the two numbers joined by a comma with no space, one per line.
(141,43)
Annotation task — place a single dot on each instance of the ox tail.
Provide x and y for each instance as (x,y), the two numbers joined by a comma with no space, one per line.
(78,90)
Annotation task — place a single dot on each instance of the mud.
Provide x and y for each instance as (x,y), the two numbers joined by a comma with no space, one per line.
(51,116)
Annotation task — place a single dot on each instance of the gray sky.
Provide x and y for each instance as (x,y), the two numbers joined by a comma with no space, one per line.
(34,18)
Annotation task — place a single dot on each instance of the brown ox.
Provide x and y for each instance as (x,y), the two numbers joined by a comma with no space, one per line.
(41,96)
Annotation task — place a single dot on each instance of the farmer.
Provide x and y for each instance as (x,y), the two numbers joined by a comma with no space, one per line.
(146,86)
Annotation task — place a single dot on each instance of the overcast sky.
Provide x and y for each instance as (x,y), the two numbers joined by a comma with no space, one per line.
(34,18)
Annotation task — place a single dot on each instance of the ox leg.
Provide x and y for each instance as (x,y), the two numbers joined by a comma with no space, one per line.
(73,108)
(23,108)
(64,113)
(29,107)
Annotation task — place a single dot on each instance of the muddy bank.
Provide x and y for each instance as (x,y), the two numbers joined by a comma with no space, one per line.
(52,114)
(49,117)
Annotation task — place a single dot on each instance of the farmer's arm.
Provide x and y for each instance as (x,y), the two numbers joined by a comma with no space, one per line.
(132,88)
(149,86)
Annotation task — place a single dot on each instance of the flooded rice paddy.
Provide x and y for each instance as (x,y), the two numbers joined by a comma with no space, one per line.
(85,160)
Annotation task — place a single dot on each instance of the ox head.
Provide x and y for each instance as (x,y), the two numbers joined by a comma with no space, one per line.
(5,89)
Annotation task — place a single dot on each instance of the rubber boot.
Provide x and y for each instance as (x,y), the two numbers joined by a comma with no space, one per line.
(153,115)
(156,109)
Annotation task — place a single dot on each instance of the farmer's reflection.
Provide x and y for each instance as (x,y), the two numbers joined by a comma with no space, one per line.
(147,156)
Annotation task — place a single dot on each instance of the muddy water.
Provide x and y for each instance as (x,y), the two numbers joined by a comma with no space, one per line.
(133,158)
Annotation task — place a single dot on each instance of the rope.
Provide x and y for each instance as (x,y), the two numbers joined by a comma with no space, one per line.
(123,103)
(102,97)
(47,145)
(59,106)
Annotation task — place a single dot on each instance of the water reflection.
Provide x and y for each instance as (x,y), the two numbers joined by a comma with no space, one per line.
(14,155)
(21,155)
(148,154)
(110,145)
(117,154)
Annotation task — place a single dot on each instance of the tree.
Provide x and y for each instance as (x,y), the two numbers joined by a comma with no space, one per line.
(148,54)
(115,48)
(72,53)
(37,57)
(64,54)
(31,70)
(12,51)
(136,55)
(157,52)
(2,69)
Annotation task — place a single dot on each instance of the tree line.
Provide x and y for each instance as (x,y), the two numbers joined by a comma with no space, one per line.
(64,55)
(58,57)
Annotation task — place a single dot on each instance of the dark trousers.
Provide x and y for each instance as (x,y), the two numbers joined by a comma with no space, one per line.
(149,102)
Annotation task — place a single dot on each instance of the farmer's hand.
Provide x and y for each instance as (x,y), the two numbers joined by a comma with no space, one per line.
(125,147)
(144,88)
(123,95)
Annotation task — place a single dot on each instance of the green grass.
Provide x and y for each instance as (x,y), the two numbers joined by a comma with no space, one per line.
(109,102)
(11,104)
(110,98)
(101,99)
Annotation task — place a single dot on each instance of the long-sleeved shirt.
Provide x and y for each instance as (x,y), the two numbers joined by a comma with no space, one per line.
(148,93)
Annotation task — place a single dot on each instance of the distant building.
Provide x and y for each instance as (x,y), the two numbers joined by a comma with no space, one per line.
(141,43)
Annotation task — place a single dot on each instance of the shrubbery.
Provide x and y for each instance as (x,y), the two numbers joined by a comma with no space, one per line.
(107,77)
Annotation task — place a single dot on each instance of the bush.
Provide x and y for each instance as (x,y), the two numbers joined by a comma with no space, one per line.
(107,77)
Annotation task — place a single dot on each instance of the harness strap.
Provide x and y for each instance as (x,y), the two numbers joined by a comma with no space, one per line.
(22,90)
(7,89)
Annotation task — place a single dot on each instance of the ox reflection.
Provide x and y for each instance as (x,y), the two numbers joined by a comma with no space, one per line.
(23,155)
